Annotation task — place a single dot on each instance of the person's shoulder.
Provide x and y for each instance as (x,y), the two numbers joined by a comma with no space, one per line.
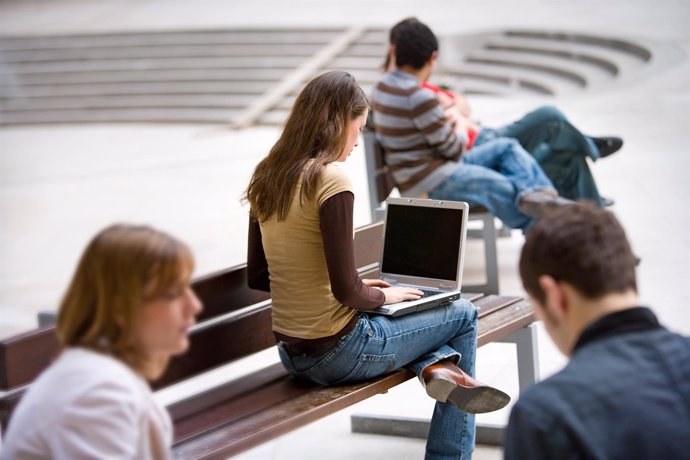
(75,382)
(85,371)
(397,83)
(334,175)
(333,181)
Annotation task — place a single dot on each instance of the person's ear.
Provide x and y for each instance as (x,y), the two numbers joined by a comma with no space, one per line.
(555,298)
(433,57)
(390,62)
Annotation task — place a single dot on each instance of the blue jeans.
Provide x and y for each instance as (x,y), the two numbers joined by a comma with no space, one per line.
(495,175)
(380,344)
(560,149)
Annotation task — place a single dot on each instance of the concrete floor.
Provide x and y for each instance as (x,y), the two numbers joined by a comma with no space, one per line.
(61,184)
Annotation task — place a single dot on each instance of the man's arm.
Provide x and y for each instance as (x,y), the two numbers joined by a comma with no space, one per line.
(436,128)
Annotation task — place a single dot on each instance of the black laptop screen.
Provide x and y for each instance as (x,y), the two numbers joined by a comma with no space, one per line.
(422,241)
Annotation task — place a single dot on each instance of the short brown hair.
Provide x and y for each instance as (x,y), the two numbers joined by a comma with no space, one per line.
(415,44)
(582,245)
(393,36)
(121,268)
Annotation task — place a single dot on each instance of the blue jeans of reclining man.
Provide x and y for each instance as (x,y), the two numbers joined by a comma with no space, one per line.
(495,175)
(380,344)
(559,147)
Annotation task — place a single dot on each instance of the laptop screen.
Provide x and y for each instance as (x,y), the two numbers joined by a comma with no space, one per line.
(422,241)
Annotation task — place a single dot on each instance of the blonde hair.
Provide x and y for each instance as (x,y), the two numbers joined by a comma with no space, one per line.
(121,268)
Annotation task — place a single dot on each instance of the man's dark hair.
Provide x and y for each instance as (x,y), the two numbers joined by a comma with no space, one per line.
(582,245)
(393,35)
(414,45)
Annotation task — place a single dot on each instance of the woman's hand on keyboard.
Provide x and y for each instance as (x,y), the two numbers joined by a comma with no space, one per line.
(399,294)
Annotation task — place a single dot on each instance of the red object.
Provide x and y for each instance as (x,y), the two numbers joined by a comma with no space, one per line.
(437,89)
(471,133)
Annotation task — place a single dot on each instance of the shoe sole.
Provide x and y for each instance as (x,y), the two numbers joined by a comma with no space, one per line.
(540,209)
(477,400)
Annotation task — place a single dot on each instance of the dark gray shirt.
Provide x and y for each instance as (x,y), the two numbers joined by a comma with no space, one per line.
(625,394)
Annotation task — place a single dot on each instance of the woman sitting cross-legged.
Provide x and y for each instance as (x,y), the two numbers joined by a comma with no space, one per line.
(301,250)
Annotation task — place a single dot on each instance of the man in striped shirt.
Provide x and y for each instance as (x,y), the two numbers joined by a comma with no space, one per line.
(425,151)
(559,147)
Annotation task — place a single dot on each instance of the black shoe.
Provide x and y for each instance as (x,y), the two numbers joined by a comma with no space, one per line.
(538,203)
(607,145)
(606,201)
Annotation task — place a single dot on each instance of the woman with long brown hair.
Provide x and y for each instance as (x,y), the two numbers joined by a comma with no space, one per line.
(301,250)
(127,310)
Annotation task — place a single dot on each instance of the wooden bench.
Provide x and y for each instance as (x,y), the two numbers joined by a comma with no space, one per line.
(380,183)
(250,409)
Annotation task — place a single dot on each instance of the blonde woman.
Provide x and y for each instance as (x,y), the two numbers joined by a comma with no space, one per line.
(127,310)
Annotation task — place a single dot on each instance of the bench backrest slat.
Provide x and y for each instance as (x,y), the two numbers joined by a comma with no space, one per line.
(40,345)
(382,177)
(225,291)
(220,344)
(368,244)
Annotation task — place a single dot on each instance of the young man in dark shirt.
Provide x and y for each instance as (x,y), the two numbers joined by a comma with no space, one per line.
(625,392)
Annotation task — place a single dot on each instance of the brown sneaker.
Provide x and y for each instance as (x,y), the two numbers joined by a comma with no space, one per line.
(444,381)
(539,202)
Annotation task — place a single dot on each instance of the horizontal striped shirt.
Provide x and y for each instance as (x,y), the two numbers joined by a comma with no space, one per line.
(420,145)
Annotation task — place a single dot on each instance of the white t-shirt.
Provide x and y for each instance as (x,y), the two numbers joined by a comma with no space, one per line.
(88,405)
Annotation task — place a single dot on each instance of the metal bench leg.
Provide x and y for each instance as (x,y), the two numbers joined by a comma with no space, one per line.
(46,318)
(525,341)
(488,233)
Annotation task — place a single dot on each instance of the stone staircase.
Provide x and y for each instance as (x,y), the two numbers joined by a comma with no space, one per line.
(251,76)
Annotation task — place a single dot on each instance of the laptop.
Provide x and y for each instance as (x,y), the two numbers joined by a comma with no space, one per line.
(423,247)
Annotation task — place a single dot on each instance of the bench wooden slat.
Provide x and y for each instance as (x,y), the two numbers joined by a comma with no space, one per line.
(508,320)
(491,303)
(220,344)
(368,241)
(265,425)
(41,343)
(240,398)
(225,291)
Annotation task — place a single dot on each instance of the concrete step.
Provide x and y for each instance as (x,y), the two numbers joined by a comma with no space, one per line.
(248,62)
(620,45)
(135,88)
(589,62)
(174,38)
(145,51)
(144,75)
(120,115)
(516,78)
(170,101)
